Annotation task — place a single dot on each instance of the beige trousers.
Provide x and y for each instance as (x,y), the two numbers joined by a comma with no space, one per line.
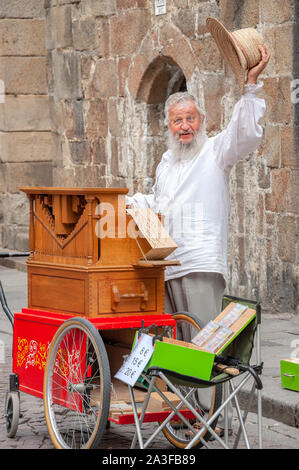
(200,294)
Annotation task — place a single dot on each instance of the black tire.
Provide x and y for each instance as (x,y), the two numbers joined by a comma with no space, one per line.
(12,413)
(77,386)
(187,325)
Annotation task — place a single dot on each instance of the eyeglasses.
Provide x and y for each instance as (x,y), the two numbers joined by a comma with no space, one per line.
(179,121)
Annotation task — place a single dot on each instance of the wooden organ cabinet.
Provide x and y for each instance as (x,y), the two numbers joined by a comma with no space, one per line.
(85,259)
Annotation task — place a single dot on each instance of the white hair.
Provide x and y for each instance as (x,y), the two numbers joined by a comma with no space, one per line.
(180,97)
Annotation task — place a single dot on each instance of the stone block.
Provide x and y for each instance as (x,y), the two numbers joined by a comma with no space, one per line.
(16,209)
(126,4)
(96,8)
(99,154)
(278,11)
(59,27)
(22,9)
(185,20)
(272,146)
(28,174)
(96,118)
(280,43)
(103,37)
(25,113)
(2,176)
(70,121)
(66,74)
(24,75)
(282,196)
(123,70)
(114,119)
(27,146)
(207,54)
(64,177)
(84,34)
(104,81)
(80,152)
(89,176)
(289,146)
(235,14)
(213,93)
(127,31)
(287,235)
(20,37)
(277,94)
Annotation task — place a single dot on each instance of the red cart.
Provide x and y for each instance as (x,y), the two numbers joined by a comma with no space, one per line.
(87,296)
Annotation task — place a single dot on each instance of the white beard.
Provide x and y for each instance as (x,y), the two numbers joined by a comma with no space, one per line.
(186,151)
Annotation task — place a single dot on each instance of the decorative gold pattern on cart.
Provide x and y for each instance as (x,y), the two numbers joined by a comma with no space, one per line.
(32,353)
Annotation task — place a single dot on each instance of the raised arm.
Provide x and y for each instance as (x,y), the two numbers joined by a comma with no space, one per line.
(243,133)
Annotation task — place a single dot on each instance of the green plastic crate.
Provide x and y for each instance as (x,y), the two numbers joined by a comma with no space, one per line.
(289,369)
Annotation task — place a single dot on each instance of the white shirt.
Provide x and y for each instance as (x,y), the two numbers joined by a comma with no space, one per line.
(193,194)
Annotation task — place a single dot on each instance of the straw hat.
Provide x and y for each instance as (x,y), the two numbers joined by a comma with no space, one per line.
(239,48)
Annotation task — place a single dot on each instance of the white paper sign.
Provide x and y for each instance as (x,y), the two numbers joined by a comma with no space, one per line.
(160,7)
(137,360)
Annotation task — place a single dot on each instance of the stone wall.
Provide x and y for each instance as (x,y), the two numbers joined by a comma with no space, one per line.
(25,125)
(111,64)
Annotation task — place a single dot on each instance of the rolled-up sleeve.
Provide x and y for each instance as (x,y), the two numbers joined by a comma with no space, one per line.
(243,134)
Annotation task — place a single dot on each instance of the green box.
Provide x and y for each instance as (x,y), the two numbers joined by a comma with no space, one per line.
(183,360)
(289,369)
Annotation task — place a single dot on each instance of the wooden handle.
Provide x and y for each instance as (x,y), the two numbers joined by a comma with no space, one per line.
(228,370)
(117,297)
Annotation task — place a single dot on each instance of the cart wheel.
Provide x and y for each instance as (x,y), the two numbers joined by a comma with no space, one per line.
(76,386)
(12,413)
(187,326)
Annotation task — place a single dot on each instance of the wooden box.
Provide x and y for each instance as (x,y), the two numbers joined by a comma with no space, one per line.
(88,257)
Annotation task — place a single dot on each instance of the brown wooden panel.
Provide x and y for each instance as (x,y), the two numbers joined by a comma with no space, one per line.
(59,293)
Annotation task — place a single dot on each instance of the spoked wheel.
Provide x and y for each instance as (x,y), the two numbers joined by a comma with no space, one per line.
(12,413)
(206,401)
(76,386)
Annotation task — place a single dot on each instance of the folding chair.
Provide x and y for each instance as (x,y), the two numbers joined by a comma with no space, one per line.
(183,371)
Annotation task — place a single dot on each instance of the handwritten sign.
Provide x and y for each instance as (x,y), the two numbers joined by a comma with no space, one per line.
(137,360)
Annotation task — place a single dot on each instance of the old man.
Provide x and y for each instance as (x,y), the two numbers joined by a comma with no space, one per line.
(191,191)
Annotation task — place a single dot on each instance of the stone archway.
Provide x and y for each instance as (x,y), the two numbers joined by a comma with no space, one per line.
(158,69)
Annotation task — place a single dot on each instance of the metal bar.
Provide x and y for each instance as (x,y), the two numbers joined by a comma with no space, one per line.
(7,311)
(152,383)
(240,418)
(12,255)
(136,418)
(259,392)
(246,410)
